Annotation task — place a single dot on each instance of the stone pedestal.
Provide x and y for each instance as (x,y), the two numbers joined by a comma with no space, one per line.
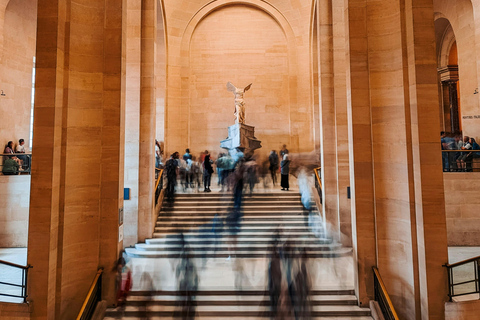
(241,138)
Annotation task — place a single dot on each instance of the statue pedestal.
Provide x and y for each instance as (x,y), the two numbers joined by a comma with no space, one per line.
(241,138)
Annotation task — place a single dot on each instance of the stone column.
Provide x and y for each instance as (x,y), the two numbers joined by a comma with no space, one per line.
(327,117)
(77,181)
(427,161)
(43,231)
(360,148)
(132,120)
(341,123)
(146,176)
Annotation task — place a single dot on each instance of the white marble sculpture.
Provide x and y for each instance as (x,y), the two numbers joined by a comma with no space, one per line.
(239,102)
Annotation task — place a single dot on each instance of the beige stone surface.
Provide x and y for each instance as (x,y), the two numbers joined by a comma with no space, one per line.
(15,203)
(465,310)
(461,206)
(17,22)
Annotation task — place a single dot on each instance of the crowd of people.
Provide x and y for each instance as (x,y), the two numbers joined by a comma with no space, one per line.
(191,172)
(16,161)
(457,152)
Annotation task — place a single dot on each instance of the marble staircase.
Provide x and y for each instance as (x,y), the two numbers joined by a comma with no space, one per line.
(268,218)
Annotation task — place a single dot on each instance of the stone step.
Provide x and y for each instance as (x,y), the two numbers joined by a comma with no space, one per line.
(238,311)
(245,300)
(222,207)
(201,212)
(238,252)
(241,240)
(293,194)
(178,203)
(224,246)
(210,217)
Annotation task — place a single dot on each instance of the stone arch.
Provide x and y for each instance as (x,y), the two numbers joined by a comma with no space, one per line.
(457,20)
(217,6)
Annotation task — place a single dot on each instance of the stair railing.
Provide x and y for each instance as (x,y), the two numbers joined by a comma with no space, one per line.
(23,287)
(463,277)
(318,182)
(94,296)
(382,297)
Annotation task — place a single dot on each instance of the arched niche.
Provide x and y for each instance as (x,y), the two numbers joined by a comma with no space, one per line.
(219,46)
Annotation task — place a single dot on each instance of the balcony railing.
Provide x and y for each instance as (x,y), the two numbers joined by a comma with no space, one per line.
(16,290)
(461,160)
(463,278)
(22,163)
(382,297)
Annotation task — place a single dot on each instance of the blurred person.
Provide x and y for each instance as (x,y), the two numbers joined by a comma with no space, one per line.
(274,281)
(241,279)
(283,151)
(187,155)
(158,155)
(207,172)
(273,159)
(187,282)
(303,287)
(123,282)
(305,192)
(10,167)
(182,173)
(444,144)
(189,173)
(238,179)
(171,167)
(251,174)
(233,221)
(469,161)
(285,171)
(196,173)
(220,165)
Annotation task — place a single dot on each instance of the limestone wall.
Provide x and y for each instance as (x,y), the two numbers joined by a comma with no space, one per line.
(465,310)
(462,203)
(14,204)
(16,62)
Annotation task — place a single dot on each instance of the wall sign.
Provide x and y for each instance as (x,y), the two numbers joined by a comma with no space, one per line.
(471,117)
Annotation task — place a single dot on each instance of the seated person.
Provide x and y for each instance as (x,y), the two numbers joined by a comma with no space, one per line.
(464,156)
(21,149)
(9,150)
(10,167)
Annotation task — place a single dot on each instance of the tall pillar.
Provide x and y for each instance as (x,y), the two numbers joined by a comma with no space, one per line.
(360,148)
(327,117)
(453,94)
(427,163)
(146,175)
(341,123)
(393,134)
(43,231)
(132,120)
(77,178)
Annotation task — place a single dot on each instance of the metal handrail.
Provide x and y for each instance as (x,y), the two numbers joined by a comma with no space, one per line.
(318,183)
(24,284)
(94,295)
(382,297)
(451,278)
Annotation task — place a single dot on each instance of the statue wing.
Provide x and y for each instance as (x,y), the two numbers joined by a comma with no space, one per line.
(231,87)
(247,87)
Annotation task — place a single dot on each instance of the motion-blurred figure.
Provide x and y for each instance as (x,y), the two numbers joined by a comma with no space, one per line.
(123,282)
(274,281)
(251,174)
(273,160)
(171,168)
(187,279)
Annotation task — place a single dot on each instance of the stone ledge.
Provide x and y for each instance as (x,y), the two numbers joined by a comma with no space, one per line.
(15,311)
